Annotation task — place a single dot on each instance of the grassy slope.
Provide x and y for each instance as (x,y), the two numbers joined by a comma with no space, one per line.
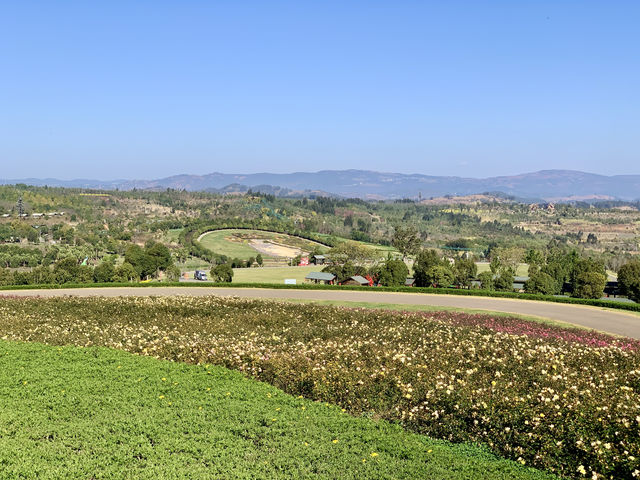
(217,242)
(70,412)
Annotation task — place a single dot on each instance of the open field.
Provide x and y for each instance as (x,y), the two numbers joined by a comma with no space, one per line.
(94,412)
(243,244)
(563,400)
(278,274)
(522,270)
(272,274)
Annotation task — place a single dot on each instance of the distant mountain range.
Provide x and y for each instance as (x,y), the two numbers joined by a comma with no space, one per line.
(548,185)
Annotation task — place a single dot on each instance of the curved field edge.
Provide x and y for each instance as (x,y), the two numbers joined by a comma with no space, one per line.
(219,242)
(72,412)
(608,304)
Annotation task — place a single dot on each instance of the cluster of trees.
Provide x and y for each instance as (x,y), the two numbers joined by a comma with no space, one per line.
(558,270)
(149,261)
(250,262)
(433,270)
(140,263)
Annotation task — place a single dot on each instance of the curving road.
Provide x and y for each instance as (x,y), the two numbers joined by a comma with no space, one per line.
(606,320)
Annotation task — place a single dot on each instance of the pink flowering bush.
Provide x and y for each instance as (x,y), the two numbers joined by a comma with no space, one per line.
(560,399)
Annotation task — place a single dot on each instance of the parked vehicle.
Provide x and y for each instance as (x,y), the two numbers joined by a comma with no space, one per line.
(200,275)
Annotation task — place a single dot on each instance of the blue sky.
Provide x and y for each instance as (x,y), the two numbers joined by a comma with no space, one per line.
(146,89)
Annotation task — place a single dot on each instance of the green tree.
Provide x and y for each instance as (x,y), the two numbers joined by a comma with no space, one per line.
(66,270)
(159,256)
(440,275)
(222,273)
(541,283)
(486,281)
(588,278)
(464,271)
(392,273)
(425,260)
(535,259)
(589,284)
(406,240)
(629,280)
(504,279)
(136,257)
(173,273)
(104,272)
(126,273)
(259,260)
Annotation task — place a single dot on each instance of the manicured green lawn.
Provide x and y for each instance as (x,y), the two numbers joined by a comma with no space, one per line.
(272,274)
(70,412)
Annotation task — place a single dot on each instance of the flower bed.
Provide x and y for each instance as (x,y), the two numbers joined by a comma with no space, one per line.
(563,400)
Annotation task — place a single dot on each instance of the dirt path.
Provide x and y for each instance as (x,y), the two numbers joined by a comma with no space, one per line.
(606,320)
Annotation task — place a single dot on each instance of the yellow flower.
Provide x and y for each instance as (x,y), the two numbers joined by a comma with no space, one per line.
(335,440)
(161,396)
(164,379)
(373,454)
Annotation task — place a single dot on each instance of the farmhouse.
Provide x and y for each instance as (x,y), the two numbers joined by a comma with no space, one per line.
(321,277)
(357,280)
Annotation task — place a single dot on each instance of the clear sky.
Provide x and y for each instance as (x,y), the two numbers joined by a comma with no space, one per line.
(147,89)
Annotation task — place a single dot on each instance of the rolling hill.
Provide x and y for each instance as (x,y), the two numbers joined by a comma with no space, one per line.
(550,185)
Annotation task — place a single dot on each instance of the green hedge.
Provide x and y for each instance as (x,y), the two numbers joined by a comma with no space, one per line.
(634,307)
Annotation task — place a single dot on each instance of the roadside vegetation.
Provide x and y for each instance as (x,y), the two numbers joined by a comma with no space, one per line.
(559,399)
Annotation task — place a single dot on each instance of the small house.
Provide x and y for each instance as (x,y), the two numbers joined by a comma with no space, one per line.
(319,259)
(357,280)
(321,277)
(410,282)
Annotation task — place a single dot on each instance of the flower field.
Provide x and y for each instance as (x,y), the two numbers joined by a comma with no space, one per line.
(563,400)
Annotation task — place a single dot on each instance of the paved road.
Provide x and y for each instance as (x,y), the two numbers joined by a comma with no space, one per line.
(612,321)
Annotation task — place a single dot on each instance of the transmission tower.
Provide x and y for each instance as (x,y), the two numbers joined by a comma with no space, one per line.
(20,207)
